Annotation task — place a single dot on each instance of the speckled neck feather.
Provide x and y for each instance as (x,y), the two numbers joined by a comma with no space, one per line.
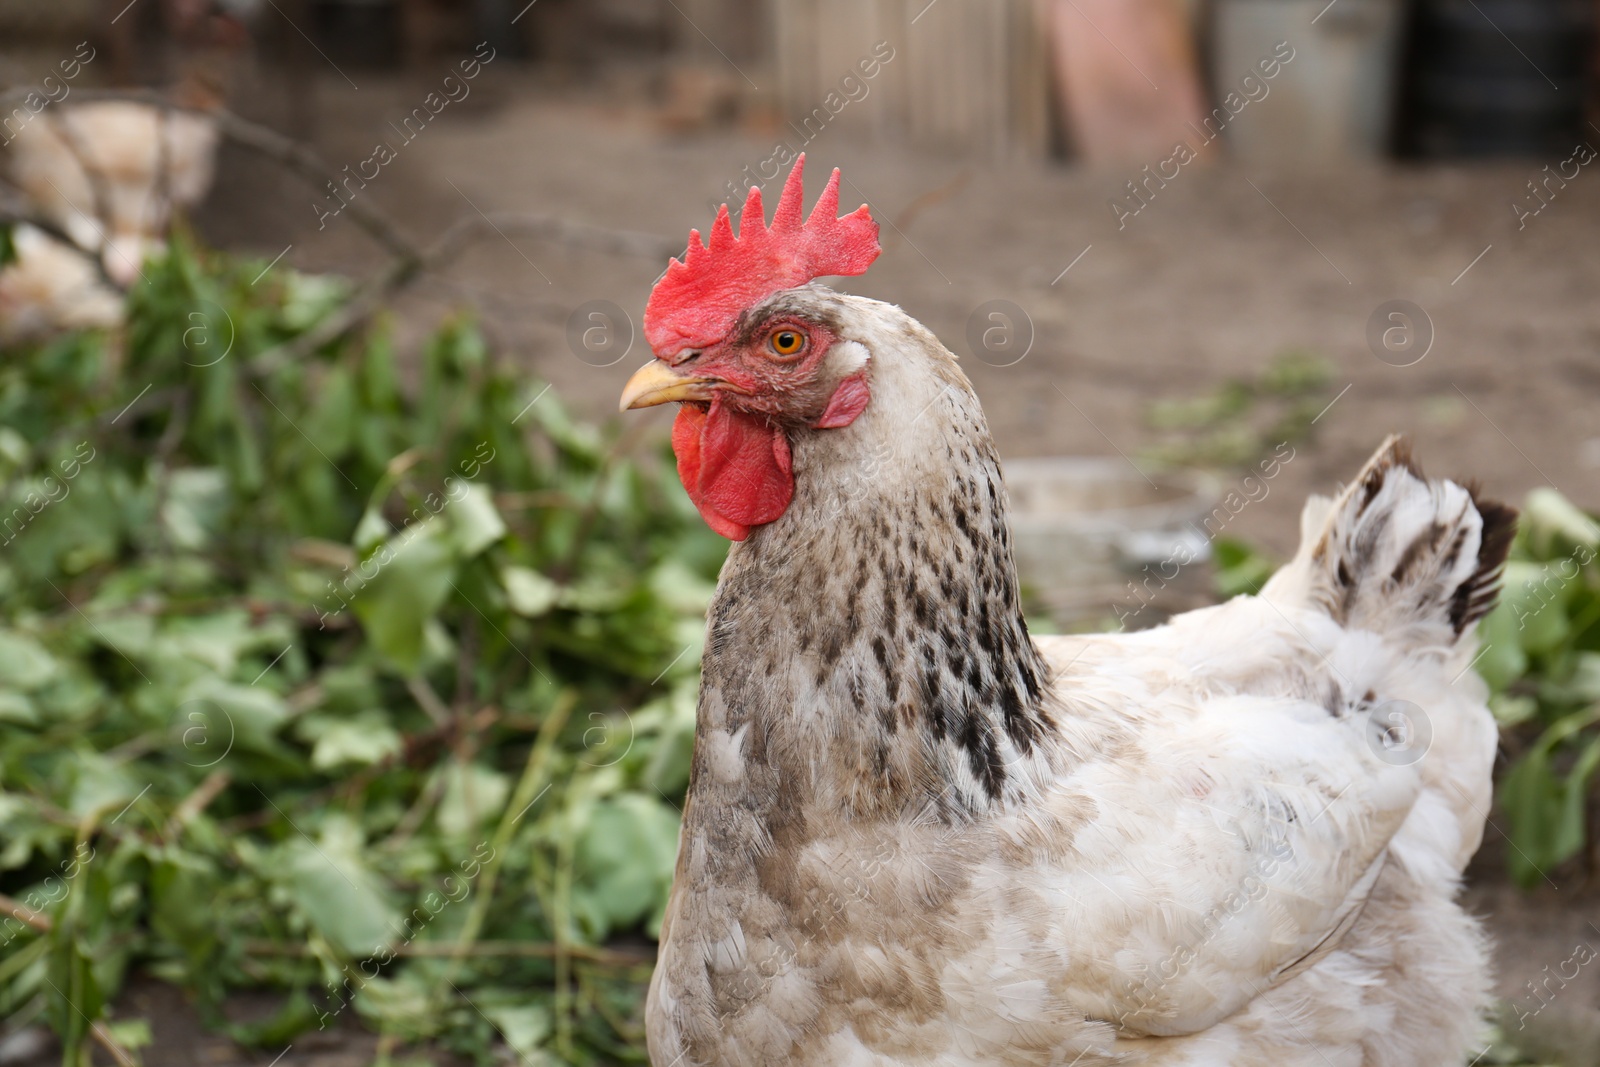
(867,651)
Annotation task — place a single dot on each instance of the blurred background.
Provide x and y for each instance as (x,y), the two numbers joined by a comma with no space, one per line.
(348,639)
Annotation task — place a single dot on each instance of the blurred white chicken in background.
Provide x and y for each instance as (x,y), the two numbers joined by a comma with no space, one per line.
(108,174)
(52,286)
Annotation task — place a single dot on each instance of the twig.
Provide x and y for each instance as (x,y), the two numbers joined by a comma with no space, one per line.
(541,950)
(410,260)
(929,199)
(22,913)
(551,230)
(381,287)
(522,798)
(196,802)
(427,797)
(15,209)
(428,700)
(294,155)
(112,1046)
(70,135)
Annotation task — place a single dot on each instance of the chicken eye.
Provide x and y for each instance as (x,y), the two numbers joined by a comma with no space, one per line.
(786,342)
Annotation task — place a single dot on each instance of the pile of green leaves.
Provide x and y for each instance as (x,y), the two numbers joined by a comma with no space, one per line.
(1541,656)
(378,693)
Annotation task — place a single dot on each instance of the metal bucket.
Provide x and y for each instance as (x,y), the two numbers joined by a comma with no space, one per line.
(1333,101)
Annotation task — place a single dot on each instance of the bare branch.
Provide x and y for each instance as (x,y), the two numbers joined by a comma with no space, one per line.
(24,914)
(112,1046)
(410,261)
(15,209)
(549,229)
(192,805)
(295,156)
(610,957)
(428,700)
(380,288)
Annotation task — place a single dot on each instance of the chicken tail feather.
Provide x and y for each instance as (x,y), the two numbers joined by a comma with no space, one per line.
(1395,550)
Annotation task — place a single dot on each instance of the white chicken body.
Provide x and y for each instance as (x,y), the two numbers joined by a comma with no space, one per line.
(52,286)
(917,837)
(107,175)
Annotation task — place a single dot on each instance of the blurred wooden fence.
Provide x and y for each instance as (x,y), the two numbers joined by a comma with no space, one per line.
(970,76)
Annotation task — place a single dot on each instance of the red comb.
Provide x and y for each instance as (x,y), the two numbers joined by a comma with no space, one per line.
(698,300)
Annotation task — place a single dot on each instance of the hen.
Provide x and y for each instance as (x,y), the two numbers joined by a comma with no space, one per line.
(49,287)
(108,174)
(917,836)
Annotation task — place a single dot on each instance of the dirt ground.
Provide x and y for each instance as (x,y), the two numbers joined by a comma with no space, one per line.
(1225,268)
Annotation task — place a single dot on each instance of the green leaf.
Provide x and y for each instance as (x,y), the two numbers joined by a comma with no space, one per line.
(1241,569)
(1533,799)
(196,502)
(101,785)
(1511,709)
(1536,594)
(217,641)
(394,1002)
(332,885)
(295,1017)
(24,662)
(1581,685)
(681,588)
(308,297)
(473,517)
(371,531)
(217,715)
(1546,810)
(473,794)
(525,1027)
(74,996)
(528,592)
(1502,660)
(183,889)
(131,1033)
(1554,525)
(16,708)
(1570,830)
(623,861)
(415,572)
(362,741)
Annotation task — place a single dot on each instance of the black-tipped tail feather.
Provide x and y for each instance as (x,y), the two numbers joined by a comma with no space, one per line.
(1395,549)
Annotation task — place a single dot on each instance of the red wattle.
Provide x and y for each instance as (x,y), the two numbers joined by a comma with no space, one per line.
(735,467)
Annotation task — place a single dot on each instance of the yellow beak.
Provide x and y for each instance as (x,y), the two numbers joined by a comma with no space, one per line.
(656,383)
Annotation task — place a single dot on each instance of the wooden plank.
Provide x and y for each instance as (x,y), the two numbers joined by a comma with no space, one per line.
(967,75)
